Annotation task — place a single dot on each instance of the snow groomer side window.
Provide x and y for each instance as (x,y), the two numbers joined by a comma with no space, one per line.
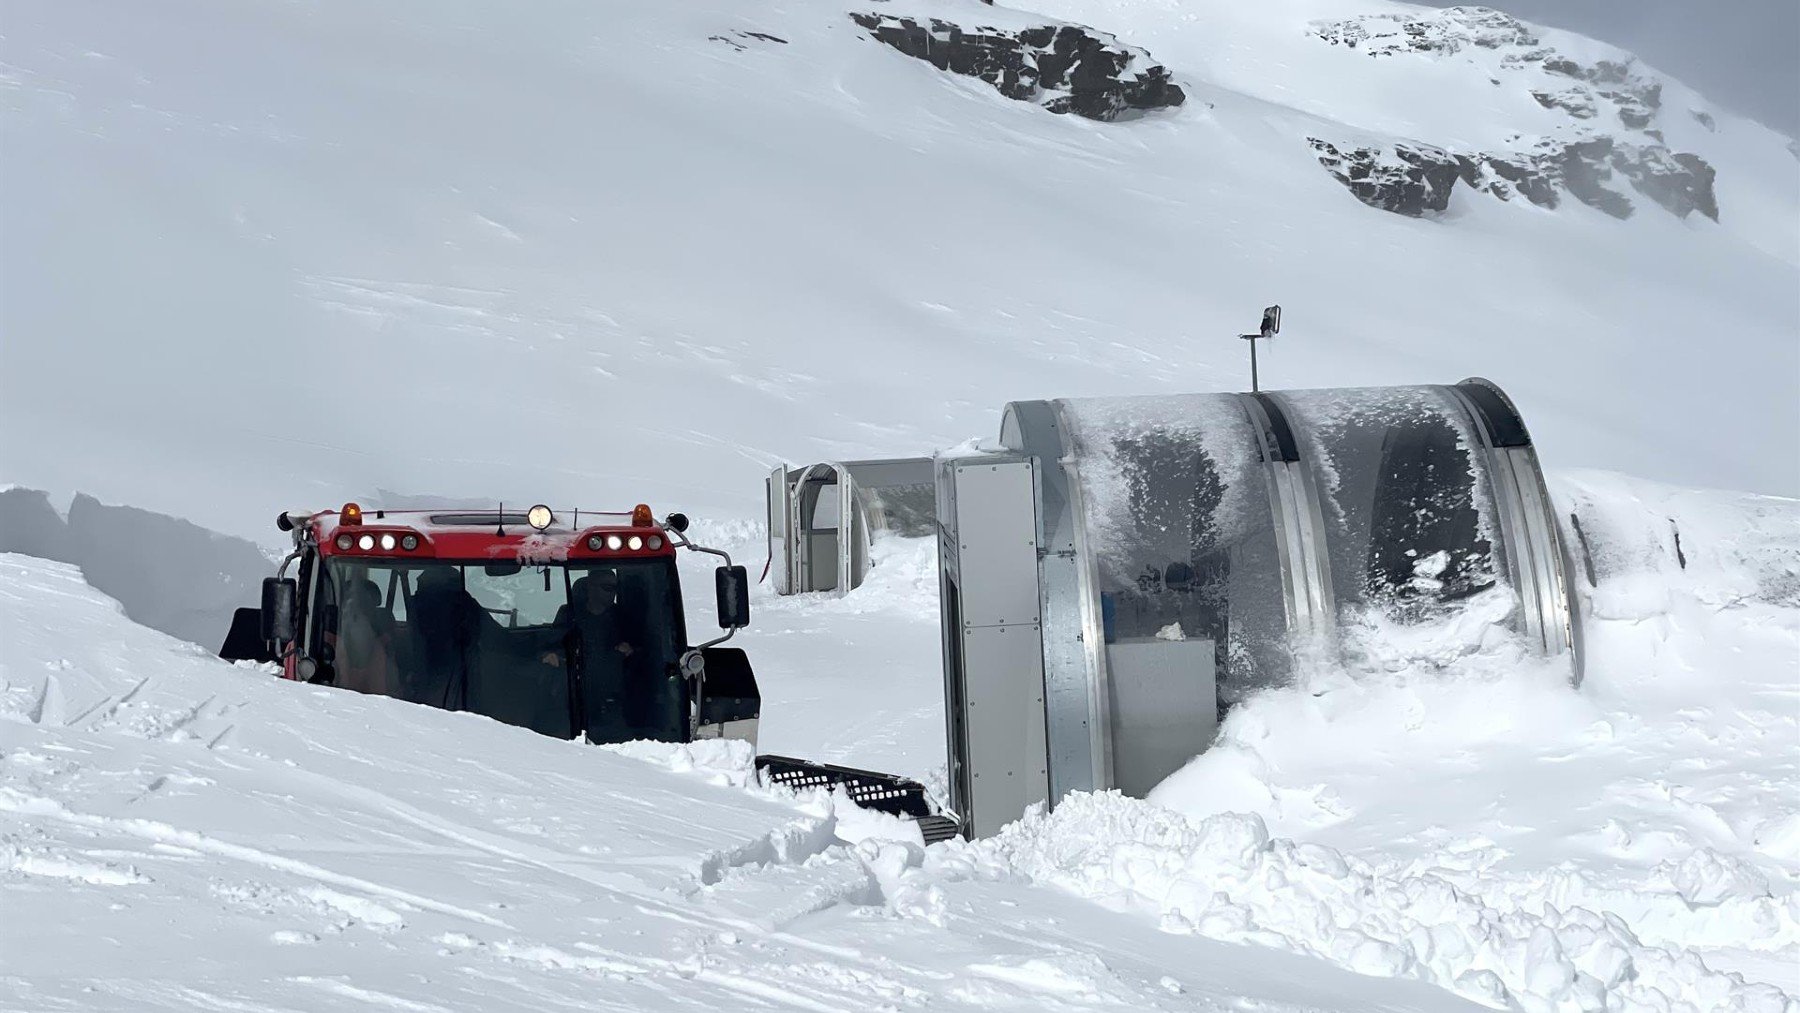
(1408,509)
(1182,535)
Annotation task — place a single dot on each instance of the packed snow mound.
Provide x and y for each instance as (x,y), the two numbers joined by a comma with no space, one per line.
(1224,877)
(588,254)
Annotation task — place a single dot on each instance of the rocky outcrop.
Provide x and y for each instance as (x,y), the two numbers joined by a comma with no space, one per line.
(1443,33)
(1064,68)
(1406,179)
(1416,180)
(1608,147)
(1582,89)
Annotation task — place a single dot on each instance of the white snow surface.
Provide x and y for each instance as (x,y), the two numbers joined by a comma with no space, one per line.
(1657,807)
(261,255)
(1440,811)
(180,833)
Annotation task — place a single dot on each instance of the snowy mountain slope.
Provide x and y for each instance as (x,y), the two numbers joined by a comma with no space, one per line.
(267,254)
(176,833)
(255,256)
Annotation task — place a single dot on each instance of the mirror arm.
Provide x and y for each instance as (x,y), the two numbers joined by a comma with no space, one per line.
(287,561)
(681,540)
(730,632)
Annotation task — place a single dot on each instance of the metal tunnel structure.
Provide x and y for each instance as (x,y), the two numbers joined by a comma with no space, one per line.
(1120,571)
(821,518)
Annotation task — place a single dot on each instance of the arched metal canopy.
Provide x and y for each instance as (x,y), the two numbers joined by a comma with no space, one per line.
(1182,551)
(821,518)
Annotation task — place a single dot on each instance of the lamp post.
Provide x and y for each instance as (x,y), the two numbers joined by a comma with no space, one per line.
(1271,324)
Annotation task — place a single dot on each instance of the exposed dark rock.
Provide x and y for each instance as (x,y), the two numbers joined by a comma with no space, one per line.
(1574,102)
(1591,157)
(1405,179)
(1504,176)
(1636,105)
(1682,183)
(1584,168)
(1417,180)
(1064,68)
(739,46)
(1705,119)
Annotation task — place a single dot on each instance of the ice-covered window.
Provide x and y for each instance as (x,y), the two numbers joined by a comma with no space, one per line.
(1178,517)
(1408,511)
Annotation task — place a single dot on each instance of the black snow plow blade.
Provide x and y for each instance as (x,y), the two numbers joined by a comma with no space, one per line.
(899,796)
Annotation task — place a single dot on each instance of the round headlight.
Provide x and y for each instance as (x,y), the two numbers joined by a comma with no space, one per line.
(387,543)
(655,542)
(410,542)
(366,542)
(344,542)
(594,543)
(539,517)
(614,542)
(634,543)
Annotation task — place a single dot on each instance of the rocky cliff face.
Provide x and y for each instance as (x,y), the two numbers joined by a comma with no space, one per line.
(1608,148)
(1065,68)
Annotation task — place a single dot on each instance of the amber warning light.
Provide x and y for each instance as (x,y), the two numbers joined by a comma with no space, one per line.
(351,514)
(641,517)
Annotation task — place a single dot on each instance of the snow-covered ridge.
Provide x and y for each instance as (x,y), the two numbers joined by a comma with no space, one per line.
(1611,140)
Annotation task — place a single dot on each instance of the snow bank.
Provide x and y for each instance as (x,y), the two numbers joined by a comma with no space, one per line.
(1660,799)
(1224,877)
(167,573)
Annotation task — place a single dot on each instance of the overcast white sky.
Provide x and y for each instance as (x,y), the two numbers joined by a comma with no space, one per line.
(1742,54)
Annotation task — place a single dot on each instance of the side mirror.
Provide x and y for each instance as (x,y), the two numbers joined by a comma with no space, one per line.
(733,586)
(279,596)
(677,521)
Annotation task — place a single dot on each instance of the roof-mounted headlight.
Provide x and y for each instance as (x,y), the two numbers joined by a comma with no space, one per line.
(539,517)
